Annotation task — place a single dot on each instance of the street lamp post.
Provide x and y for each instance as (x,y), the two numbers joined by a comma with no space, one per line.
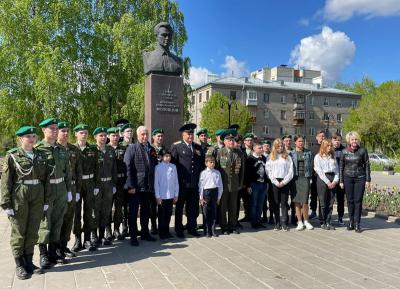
(231,101)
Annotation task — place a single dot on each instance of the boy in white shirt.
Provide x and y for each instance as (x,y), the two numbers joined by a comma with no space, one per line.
(166,188)
(210,188)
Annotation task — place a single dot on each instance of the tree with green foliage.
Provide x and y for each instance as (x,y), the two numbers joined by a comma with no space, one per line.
(78,60)
(214,114)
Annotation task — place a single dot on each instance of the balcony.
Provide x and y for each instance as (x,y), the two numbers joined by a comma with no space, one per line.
(251,98)
(299,118)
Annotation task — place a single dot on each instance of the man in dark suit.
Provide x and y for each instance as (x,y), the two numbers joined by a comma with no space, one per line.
(187,156)
(140,160)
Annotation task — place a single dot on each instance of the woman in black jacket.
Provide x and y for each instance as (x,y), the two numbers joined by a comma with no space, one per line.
(355,176)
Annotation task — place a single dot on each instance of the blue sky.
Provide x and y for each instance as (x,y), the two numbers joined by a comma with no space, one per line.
(346,39)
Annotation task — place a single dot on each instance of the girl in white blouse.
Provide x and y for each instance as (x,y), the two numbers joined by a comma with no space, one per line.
(279,168)
(325,165)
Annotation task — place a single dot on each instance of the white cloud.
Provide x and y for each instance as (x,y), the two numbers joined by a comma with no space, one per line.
(328,51)
(304,22)
(233,67)
(198,75)
(342,10)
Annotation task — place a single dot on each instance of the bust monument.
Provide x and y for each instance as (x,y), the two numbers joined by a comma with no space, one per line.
(161,60)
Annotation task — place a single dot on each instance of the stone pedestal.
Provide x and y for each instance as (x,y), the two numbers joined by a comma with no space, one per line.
(163,105)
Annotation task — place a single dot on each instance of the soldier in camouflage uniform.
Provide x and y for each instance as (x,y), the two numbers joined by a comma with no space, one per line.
(60,193)
(213,150)
(76,179)
(113,135)
(108,182)
(89,189)
(23,192)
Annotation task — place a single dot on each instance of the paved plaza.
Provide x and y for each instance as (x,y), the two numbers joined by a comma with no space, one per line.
(254,259)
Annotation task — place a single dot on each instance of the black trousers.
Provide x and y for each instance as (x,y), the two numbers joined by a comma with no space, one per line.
(244,195)
(153,210)
(314,194)
(340,201)
(292,194)
(210,209)
(269,195)
(326,198)
(280,199)
(134,201)
(188,198)
(228,206)
(355,188)
(164,216)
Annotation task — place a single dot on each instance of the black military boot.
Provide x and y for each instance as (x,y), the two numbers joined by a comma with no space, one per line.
(94,239)
(88,243)
(124,233)
(30,267)
(77,245)
(65,251)
(107,236)
(20,270)
(117,234)
(44,257)
(55,256)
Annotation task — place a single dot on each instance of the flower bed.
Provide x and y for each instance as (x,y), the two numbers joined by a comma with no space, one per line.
(384,200)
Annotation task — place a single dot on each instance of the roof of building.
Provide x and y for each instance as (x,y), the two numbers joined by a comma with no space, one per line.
(283,85)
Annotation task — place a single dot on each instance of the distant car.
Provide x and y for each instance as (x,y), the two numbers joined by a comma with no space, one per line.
(379,158)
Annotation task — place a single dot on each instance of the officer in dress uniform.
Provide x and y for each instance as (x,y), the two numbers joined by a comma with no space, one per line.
(60,194)
(76,179)
(186,155)
(24,184)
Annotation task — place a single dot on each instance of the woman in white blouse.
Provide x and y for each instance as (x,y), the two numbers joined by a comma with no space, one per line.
(279,168)
(325,165)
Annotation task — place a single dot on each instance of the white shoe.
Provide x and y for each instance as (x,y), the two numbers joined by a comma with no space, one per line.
(308,225)
(300,226)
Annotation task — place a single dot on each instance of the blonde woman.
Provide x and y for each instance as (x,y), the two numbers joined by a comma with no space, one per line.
(327,171)
(279,168)
(355,176)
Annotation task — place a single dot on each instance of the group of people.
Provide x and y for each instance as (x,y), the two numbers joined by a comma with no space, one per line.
(50,188)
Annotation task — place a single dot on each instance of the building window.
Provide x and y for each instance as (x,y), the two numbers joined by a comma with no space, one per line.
(339,130)
(297,130)
(266,113)
(282,130)
(232,95)
(284,99)
(200,97)
(354,103)
(299,98)
(207,95)
(311,115)
(266,129)
(252,95)
(326,101)
(283,115)
(326,116)
(339,103)
(312,131)
(266,97)
(193,99)
(339,117)
(311,100)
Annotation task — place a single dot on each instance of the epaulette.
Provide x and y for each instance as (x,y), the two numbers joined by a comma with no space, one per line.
(177,142)
(13,150)
(37,145)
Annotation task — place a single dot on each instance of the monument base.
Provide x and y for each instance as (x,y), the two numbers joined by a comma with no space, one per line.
(163,106)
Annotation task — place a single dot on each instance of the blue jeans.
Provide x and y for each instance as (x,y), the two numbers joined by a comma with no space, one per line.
(258,191)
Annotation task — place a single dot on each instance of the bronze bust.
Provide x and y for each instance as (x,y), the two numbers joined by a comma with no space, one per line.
(161,60)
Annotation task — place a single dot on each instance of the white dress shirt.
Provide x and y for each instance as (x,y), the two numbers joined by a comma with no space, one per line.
(210,179)
(280,168)
(326,164)
(166,183)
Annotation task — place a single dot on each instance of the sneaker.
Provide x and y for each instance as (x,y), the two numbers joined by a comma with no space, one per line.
(308,225)
(340,221)
(313,215)
(300,226)
(277,227)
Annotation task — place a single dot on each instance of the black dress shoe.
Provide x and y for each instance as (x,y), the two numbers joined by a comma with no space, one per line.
(180,235)
(238,225)
(235,231)
(225,232)
(68,252)
(350,227)
(194,233)
(134,242)
(148,237)
(358,228)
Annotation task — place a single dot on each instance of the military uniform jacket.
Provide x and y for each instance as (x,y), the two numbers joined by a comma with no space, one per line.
(17,167)
(89,164)
(75,166)
(231,165)
(57,159)
(159,150)
(188,163)
(119,157)
(107,164)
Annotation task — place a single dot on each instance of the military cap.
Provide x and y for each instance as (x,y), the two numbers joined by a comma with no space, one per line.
(219,131)
(202,131)
(47,122)
(157,131)
(248,135)
(26,129)
(189,127)
(229,133)
(120,122)
(99,129)
(62,124)
(234,126)
(286,136)
(81,126)
(125,126)
(266,142)
(113,130)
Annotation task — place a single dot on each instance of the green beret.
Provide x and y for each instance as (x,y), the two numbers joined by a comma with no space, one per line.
(113,130)
(62,124)
(219,132)
(266,142)
(229,133)
(99,129)
(248,135)
(27,129)
(157,131)
(48,121)
(203,130)
(126,126)
(286,136)
(81,126)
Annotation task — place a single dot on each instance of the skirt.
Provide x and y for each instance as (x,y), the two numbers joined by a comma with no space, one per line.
(302,187)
